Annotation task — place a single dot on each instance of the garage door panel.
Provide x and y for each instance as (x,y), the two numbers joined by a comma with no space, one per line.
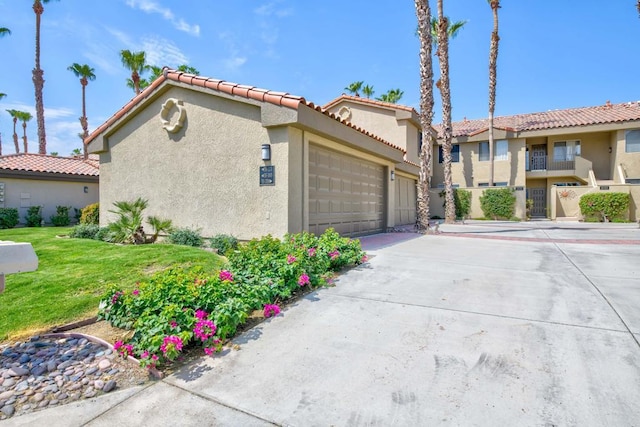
(405,201)
(353,200)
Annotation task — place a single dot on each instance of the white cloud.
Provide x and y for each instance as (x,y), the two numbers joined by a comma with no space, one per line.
(235,59)
(266,15)
(163,52)
(150,6)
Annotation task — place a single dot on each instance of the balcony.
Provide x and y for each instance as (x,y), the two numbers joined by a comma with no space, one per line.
(545,167)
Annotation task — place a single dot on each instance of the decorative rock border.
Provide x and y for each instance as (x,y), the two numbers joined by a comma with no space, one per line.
(54,369)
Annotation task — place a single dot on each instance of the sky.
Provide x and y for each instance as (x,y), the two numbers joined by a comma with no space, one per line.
(553,54)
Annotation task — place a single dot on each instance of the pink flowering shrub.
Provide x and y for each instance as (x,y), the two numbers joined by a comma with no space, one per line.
(303,280)
(182,308)
(271,310)
(225,275)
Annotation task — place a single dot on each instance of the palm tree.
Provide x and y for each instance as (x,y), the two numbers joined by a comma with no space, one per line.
(155,72)
(136,62)
(188,69)
(453,29)
(25,116)
(14,114)
(493,59)
(445,93)
(638,7)
(2,96)
(368,91)
(142,84)
(85,73)
(76,152)
(392,96)
(4,31)
(423,13)
(38,80)
(354,88)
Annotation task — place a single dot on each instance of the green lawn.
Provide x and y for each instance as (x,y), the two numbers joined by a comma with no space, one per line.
(73,273)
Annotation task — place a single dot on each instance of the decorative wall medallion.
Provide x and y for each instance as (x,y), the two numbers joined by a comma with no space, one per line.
(166,113)
(567,194)
(344,113)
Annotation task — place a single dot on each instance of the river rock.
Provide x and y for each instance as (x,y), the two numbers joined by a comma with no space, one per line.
(110,385)
(104,364)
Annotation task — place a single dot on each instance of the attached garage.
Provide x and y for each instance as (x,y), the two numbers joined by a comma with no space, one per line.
(345,192)
(406,198)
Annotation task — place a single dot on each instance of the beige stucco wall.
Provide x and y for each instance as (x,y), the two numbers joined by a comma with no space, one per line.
(470,172)
(206,176)
(23,193)
(436,203)
(384,123)
(566,200)
(630,161)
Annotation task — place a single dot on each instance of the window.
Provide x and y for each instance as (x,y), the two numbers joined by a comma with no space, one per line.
(419,143)
(565,151)
(502,148)
(633,181)
(441,186)
(632,138)
(495,184)
(483,151)
(455,154)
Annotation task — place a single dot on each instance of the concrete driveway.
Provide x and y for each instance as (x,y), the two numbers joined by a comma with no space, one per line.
(484,324)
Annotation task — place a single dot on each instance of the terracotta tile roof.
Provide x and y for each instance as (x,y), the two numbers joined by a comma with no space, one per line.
(368,101)
(31,162)
(601,114)
(251,92)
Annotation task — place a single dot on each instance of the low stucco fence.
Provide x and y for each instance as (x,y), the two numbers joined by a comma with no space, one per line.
(565,200)
(436,203)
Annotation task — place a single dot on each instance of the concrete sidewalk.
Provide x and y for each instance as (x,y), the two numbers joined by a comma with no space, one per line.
(434,330)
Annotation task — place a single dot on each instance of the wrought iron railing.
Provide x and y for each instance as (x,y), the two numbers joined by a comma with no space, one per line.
(544,163)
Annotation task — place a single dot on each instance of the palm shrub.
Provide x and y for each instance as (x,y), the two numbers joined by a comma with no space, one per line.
(128,227)
(498,203)
(159,225)
(604,206)
(90,214)
(8,217)
(84,231)
(34,216)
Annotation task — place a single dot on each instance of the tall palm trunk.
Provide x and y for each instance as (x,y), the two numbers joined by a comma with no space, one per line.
(24,137)
(493,59)
(135,77)
(38,82)
(15,135)
(443,59)
(423,13)
(83,120)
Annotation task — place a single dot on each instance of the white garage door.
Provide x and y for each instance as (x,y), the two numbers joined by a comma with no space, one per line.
(345,193)
(405,200)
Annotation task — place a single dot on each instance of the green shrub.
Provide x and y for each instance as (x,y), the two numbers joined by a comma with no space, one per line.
(34,216)
(462,201)
(181,307)
(61,218)
(604,206)
(84,231)
(498,203)
(223,243)
(90,214)
(185,236)
(104,234)
(9,217)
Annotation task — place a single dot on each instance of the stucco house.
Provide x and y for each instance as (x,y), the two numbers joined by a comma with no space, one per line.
(236,159)
(28,179)
(588,149)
